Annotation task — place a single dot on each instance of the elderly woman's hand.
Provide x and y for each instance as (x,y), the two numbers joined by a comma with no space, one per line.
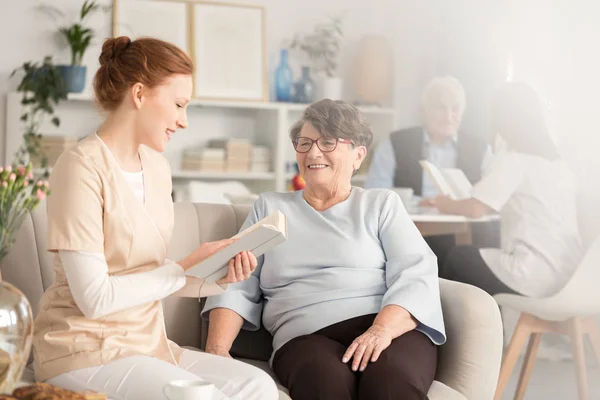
(240,268)
(368,346)
(218,351)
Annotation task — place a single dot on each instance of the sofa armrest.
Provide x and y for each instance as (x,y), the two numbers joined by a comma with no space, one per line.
(180,322)
(469,361)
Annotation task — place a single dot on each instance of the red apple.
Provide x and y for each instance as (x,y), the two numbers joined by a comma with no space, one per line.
(298,182)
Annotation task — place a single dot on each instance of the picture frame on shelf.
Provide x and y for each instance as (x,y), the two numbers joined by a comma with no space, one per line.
(137,18)
(233,38)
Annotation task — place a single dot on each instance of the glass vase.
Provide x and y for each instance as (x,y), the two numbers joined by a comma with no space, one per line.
(283,78)
(304,88)
(16,335)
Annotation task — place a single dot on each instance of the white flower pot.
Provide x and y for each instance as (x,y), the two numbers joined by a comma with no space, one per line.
(330,88)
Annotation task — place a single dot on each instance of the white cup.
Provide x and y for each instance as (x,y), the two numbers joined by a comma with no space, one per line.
(406,195)
(189,390)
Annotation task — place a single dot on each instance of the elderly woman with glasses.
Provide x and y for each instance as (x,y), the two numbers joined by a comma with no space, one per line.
(352,297)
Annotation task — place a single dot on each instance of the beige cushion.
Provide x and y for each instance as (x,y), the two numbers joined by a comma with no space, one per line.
(439,391)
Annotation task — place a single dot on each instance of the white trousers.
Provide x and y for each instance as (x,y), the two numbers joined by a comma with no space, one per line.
(143,377)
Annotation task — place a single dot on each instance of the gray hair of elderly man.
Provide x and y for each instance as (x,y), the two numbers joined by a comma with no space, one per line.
(443,86)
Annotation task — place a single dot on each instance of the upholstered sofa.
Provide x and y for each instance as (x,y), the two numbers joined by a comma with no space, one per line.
(468,365)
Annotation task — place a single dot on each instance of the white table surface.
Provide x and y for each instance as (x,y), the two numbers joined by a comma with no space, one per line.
(429,214)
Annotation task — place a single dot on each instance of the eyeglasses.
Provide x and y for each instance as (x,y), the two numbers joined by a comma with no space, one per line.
(326,144)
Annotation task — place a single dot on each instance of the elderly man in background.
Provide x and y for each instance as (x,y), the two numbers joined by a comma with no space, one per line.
(439,141)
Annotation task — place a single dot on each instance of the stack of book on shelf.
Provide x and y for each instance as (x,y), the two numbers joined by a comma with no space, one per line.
(228,155)
(261,159)
(206,159)
(52,146)
(237,158)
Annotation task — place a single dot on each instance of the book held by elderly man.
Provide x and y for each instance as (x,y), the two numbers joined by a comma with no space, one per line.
(258,238)
(451,182)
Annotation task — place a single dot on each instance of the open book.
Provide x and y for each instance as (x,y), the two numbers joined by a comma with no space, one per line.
(451,182)
(258,238)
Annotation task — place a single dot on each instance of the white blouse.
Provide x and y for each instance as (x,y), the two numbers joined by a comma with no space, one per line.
(98,294)
(536,198)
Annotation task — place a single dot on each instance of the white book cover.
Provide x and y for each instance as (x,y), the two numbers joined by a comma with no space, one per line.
(451,182)
(258,238)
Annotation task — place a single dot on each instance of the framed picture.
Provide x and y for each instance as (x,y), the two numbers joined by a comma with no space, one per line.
(166,20)
(229,51)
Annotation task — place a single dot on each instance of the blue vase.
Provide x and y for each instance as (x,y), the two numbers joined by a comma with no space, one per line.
(304,88)
(283,78)
(74,77)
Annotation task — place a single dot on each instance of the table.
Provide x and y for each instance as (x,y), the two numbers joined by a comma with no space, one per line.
(431,222)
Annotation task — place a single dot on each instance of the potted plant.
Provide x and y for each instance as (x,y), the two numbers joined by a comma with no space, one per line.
(323,47)
(43,88)
(78,38)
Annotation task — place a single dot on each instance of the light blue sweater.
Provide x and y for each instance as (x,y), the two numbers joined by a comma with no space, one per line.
(350,260)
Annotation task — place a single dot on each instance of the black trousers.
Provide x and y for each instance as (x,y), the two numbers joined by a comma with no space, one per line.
(465,264)
(311,367)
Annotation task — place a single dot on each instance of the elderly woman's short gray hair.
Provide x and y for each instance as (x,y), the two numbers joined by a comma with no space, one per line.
(337,119)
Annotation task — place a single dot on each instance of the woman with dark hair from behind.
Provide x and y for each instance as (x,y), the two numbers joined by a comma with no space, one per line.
(534,191)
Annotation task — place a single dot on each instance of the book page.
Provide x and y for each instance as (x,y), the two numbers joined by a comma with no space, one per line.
(457,180)
(275,221)
(437,177)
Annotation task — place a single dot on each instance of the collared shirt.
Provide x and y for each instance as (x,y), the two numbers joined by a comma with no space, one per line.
(443,155)
(383,167)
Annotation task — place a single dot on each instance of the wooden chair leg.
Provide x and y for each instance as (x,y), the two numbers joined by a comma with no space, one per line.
(532,348)
(576,334)
(517,342)
(594,337)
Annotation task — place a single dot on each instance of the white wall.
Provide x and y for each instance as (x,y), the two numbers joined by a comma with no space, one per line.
(29,34)
(472,46)
(553,46)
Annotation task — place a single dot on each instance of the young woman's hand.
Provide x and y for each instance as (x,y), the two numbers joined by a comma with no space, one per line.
(240,268)
(204,251)
(444,204)
(471,207)
(427,202)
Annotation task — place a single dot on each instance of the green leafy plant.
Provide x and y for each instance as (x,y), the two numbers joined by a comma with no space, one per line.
(43,88)
(19,193)
(77,35)
(322,46)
